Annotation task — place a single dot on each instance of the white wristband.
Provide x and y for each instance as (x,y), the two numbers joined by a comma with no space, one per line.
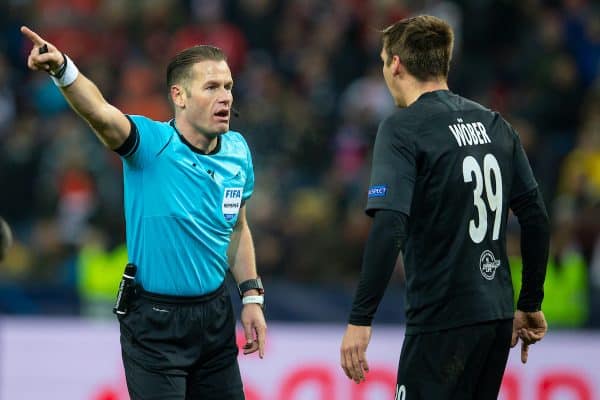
(253,300)
(69,76)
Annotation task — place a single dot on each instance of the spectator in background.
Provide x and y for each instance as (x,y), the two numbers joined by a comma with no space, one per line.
(5,238)
(209,26)
(566,288)
(8,104)
(579,183)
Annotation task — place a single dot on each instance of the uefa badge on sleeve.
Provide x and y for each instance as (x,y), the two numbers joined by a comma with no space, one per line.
(377,191)
(232,201)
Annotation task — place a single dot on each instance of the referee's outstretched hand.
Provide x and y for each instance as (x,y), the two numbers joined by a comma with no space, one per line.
(255,329)
(530,327)
(353,352)
(43,56)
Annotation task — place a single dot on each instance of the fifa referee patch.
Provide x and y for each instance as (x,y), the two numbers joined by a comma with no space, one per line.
(377,191)
(232,200)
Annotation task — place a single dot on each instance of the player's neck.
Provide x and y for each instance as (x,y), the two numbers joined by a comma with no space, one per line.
(415,89)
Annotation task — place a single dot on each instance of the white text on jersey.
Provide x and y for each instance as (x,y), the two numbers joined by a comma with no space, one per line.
(470,133)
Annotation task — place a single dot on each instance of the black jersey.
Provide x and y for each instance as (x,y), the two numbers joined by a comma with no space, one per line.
(453,167)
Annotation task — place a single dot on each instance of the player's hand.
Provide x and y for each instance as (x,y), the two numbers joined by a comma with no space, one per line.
(49,61)
(530,327)
(353,352)
(255,329)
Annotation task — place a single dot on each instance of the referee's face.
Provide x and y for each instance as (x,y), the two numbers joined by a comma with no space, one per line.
(208,98)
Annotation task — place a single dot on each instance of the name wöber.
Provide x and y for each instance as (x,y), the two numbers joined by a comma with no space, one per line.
(470,133)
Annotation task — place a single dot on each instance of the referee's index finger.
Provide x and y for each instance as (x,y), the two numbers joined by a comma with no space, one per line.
(31,35)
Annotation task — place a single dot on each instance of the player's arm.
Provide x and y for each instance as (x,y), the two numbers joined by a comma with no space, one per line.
(527,204)
(529,323)
(526,201)
(243,268)
(386,241)
(110,125)
(390,194)
(389,200)
(535,237)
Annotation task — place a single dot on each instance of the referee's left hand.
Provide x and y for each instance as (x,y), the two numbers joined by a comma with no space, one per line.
(255,329)
(353,352)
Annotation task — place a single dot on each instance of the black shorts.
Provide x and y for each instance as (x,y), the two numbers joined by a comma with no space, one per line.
(465,363)
(177,348)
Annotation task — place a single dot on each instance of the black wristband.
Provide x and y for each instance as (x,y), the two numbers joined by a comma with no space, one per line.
(251,284)
(61,71)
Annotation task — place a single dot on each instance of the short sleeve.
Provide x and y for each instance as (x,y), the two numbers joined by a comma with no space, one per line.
(523,178)
(249,185)
(394,169)
(146,140)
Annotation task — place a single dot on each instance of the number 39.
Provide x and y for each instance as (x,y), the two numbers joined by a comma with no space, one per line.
(494,196)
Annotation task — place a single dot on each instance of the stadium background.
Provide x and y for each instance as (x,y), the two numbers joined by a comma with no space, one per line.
(309,90)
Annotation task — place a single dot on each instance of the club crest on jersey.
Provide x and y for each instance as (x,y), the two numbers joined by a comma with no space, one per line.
(488,265)
(232,200)
(377,191)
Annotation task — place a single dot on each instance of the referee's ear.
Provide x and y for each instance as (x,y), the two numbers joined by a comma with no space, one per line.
(178,96)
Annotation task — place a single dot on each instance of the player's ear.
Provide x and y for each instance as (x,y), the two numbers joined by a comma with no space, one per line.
(178,96)
(397,66)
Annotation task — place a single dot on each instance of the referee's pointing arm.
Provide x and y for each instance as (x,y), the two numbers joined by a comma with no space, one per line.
(109,123)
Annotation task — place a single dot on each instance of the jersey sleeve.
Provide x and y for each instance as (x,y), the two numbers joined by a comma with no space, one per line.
(523,179)
(249,185)
(146,139)
(394,169)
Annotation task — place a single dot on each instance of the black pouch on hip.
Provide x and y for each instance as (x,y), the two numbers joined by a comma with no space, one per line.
(126,290)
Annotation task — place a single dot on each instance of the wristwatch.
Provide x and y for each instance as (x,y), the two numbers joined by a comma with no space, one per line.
(251,284)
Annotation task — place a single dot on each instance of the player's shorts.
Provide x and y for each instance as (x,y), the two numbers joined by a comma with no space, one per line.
(465,363)
(177,348)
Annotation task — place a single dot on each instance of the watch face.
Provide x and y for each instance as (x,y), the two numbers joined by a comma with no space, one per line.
(251,284)
(259,284)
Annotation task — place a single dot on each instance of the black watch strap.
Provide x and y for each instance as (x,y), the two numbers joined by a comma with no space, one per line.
(251,284)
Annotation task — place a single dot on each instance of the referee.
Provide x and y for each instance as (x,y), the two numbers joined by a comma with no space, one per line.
(445,173)
(186,185)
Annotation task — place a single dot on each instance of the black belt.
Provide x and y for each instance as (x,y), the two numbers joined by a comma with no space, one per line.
(165,298)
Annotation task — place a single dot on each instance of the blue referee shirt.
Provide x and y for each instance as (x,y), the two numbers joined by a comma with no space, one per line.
(181,206)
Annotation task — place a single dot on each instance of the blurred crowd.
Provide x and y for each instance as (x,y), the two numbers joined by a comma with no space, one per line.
(310,93)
